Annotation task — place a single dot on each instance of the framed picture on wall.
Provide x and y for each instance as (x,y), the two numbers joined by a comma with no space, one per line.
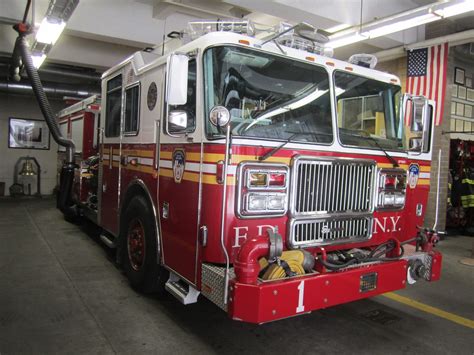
(459,76)
(462,93)
(28,134)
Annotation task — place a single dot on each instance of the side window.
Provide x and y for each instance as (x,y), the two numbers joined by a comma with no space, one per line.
(132,103)
(113,107)
(190,106)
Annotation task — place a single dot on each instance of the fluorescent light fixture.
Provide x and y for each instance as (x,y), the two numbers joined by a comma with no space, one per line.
(400,22)
(344,41)
(38,59)
(400,25)
(456,9)
(49,31)
(337,28)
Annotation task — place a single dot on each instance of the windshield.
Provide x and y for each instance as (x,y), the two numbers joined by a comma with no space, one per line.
(367,112)
(268,96)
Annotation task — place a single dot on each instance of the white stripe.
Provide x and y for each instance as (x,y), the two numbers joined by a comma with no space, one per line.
(144,161)
(425,175)
(194,167)
(428,76)
(440,86)
(166,164)
(434,88)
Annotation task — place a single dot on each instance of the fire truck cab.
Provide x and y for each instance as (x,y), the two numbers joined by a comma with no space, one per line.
(269,178)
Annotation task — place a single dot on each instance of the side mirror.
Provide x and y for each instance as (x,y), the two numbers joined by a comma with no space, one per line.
(416,115)
(414,144)
(177,121)
(177,79)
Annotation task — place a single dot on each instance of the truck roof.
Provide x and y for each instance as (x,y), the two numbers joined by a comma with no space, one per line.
(143,61)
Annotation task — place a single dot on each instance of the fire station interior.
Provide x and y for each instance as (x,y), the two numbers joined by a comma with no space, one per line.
(73,278)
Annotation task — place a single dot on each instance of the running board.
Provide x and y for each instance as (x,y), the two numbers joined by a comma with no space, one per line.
(107,240)
(184,292)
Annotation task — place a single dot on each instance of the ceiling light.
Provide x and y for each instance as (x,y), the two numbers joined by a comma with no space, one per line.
(344,41)
(38,59)
(49,31)
(337,28)
(456,9)
(400,22)
(400,26)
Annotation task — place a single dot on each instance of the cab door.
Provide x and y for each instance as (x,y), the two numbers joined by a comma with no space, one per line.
(179,183)
(110,154)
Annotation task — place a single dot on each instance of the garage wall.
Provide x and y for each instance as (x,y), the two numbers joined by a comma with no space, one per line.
(25,107)
(441,141)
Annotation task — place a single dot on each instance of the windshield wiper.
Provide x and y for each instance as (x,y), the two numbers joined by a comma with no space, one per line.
(277,148)
(367,135)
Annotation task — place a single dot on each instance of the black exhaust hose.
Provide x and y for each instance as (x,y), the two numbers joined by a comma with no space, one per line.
(64,201)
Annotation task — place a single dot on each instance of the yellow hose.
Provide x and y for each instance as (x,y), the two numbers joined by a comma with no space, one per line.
(295,260)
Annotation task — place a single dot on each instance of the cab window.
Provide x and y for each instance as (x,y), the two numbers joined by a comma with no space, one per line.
(113,107)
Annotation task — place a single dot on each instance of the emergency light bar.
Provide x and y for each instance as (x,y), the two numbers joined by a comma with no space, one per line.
(200,28)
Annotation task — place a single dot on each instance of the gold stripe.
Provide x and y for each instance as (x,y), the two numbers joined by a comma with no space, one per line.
(135,152)
(138,153)
(423,182)
(425,168)
(389,165)
(165,155)
(429,309)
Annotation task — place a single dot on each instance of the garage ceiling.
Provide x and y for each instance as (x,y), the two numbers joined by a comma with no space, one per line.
(101,33)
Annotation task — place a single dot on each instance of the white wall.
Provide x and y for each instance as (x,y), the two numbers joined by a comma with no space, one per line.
(25,107)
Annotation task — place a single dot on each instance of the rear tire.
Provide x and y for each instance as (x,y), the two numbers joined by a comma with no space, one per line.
(139,248)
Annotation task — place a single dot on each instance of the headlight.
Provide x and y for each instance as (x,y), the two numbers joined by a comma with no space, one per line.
(263,202)
(262,190)
(391,189)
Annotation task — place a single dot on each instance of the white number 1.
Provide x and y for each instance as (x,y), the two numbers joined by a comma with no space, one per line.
(300,307)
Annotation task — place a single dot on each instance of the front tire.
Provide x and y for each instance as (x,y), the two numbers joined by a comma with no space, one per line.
(139,248)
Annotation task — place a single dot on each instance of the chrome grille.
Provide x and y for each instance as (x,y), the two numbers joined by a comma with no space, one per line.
(307,233)
(332,186)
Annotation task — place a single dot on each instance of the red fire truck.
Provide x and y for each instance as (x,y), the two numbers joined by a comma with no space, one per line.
(269,178)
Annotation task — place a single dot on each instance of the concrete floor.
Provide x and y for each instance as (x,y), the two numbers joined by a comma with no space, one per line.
(60,293)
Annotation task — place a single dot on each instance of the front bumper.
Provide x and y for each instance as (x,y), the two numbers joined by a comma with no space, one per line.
(273,300)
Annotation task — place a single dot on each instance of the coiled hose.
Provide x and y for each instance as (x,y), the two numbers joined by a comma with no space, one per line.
(290,263)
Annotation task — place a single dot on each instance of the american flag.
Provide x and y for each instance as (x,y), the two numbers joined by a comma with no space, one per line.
(426,71)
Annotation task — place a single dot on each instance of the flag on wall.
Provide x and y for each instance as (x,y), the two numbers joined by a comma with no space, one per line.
(426,75)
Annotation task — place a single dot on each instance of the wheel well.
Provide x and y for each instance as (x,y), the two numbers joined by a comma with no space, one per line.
(136,189)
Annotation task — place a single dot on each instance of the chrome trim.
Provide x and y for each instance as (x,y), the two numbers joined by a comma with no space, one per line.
(199,207)
(241,168)
(100,177)
(360,228)
(327,201)
(379,189)
(269,171)
(223,214)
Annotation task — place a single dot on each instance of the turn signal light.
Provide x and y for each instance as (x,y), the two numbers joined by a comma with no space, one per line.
(258,179)
(277,179)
